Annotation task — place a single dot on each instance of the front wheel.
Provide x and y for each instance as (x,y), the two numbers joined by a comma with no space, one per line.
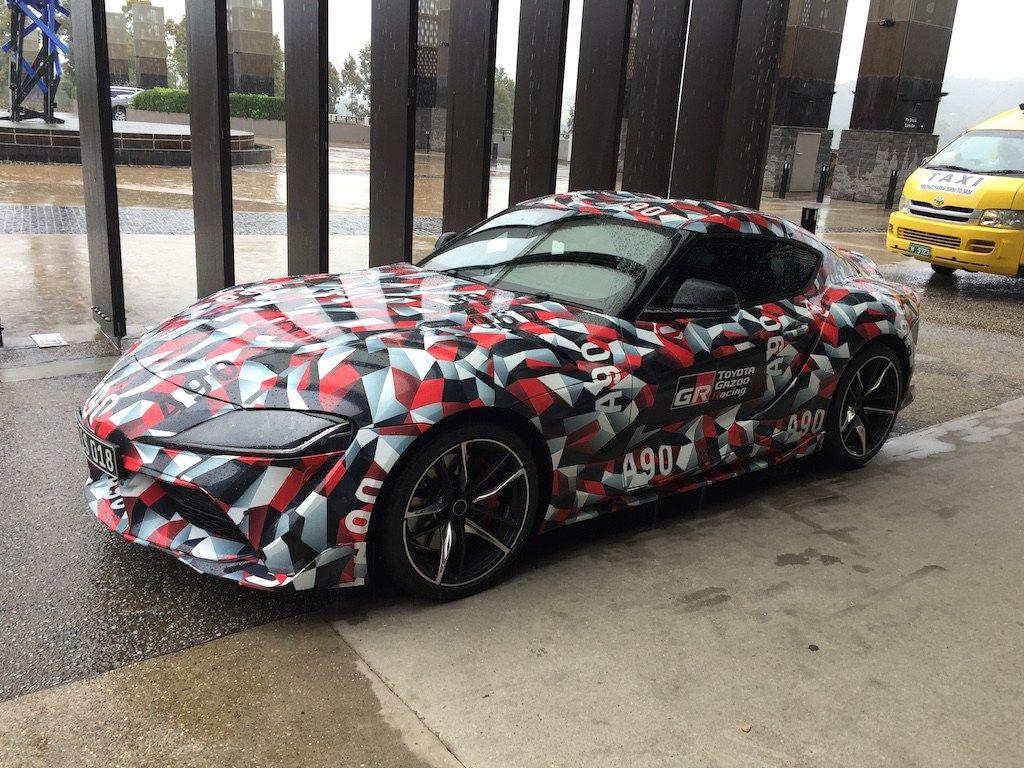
(864,407)
(457,515)
(941,269)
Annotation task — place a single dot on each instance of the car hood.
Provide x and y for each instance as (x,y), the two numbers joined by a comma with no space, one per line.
(316,342)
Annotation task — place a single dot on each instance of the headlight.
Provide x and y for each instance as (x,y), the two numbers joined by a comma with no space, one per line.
(267,432)
(904,204)
(1003,218)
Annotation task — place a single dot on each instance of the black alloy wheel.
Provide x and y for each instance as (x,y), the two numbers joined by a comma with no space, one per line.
(460,511)
(864,407)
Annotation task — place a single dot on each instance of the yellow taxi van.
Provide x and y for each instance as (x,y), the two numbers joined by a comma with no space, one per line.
(964,209)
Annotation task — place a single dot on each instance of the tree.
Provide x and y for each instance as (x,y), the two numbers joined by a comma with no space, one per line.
(334,88)
(504,98)
(126,9)
(177,54)
(5,30)
(278,67)
(570,120)
(355,82)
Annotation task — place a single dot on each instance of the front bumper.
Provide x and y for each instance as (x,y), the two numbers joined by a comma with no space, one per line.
(145,511)
(959,246)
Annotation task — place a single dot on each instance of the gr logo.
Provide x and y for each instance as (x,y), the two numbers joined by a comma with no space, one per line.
(695,389)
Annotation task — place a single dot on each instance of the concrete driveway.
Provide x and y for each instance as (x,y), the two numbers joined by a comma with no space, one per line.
(802,618)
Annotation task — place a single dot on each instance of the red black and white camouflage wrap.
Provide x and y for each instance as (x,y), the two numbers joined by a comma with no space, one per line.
(399,349)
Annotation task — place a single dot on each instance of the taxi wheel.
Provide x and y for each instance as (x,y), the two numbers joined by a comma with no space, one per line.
(939,269)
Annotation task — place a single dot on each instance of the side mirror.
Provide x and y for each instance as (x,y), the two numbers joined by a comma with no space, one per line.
(705,298)
(444,239)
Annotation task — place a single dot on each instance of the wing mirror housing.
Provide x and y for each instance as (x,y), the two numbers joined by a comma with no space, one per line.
(703,298)
(444,239)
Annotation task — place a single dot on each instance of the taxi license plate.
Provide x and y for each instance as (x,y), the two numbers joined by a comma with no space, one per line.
(919,250)
(101,454)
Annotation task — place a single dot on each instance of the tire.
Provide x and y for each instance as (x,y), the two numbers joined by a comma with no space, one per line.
(445,539)
(120,114)
(853,437)
(940,269)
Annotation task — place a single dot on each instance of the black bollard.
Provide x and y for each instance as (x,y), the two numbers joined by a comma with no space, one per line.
(809,219)
(494,153)
(784,183)
(822,182)
(890,196)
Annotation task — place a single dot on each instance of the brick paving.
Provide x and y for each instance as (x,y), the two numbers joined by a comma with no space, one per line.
(70,220)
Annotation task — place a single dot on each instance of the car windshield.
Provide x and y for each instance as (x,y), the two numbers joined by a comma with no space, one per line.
(998,153)
(593,261)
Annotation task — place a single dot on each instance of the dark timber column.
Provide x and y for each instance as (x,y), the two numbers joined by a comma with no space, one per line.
(707,81)
(748,119)
(98,175)
(902,65)
(305,42)
(392,129)
(206,29)
(474,26)
(537,119)
(654,95)
(810,58)
(600,93)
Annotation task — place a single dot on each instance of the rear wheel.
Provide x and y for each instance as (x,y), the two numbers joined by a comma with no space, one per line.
(941,269)
(864,407)
(459,512)
(120,113)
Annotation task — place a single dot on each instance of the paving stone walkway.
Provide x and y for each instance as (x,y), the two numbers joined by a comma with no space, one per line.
(70,220)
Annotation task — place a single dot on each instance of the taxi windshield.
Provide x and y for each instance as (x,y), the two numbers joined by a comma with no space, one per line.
(996,153)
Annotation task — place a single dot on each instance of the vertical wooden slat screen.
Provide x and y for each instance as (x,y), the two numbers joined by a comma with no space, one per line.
(707,82)
(98,172)
(207,33)
(305,47)
(600,93)
(474,28)
(537,118)
(392,129)
(748,119)
(654,95)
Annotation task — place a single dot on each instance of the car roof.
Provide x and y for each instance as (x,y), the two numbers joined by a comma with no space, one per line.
(685,215)
(1011,120)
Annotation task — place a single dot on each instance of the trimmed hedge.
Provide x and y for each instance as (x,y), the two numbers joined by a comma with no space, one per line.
(249,105)
(162,100)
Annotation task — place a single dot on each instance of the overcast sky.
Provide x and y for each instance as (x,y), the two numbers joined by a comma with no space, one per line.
(986,37)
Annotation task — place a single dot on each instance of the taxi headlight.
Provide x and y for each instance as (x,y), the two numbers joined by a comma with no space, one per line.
(904,204)
(1002,218)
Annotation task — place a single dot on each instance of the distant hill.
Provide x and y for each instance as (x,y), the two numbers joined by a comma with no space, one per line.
(969,102)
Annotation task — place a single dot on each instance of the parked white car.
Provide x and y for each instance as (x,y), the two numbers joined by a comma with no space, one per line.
(121,98)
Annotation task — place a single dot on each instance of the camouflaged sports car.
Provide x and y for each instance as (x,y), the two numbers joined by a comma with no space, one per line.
(574,355)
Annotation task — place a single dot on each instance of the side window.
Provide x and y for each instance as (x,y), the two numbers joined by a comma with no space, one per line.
(757,269)
(781,270)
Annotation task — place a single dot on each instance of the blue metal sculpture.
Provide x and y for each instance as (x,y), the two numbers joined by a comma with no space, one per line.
(44,71)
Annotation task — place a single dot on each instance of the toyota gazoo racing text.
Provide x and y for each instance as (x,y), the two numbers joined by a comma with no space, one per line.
(576,354)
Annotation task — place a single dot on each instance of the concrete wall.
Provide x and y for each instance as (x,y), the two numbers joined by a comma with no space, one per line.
(349,134)
(782,149)
(867,158)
